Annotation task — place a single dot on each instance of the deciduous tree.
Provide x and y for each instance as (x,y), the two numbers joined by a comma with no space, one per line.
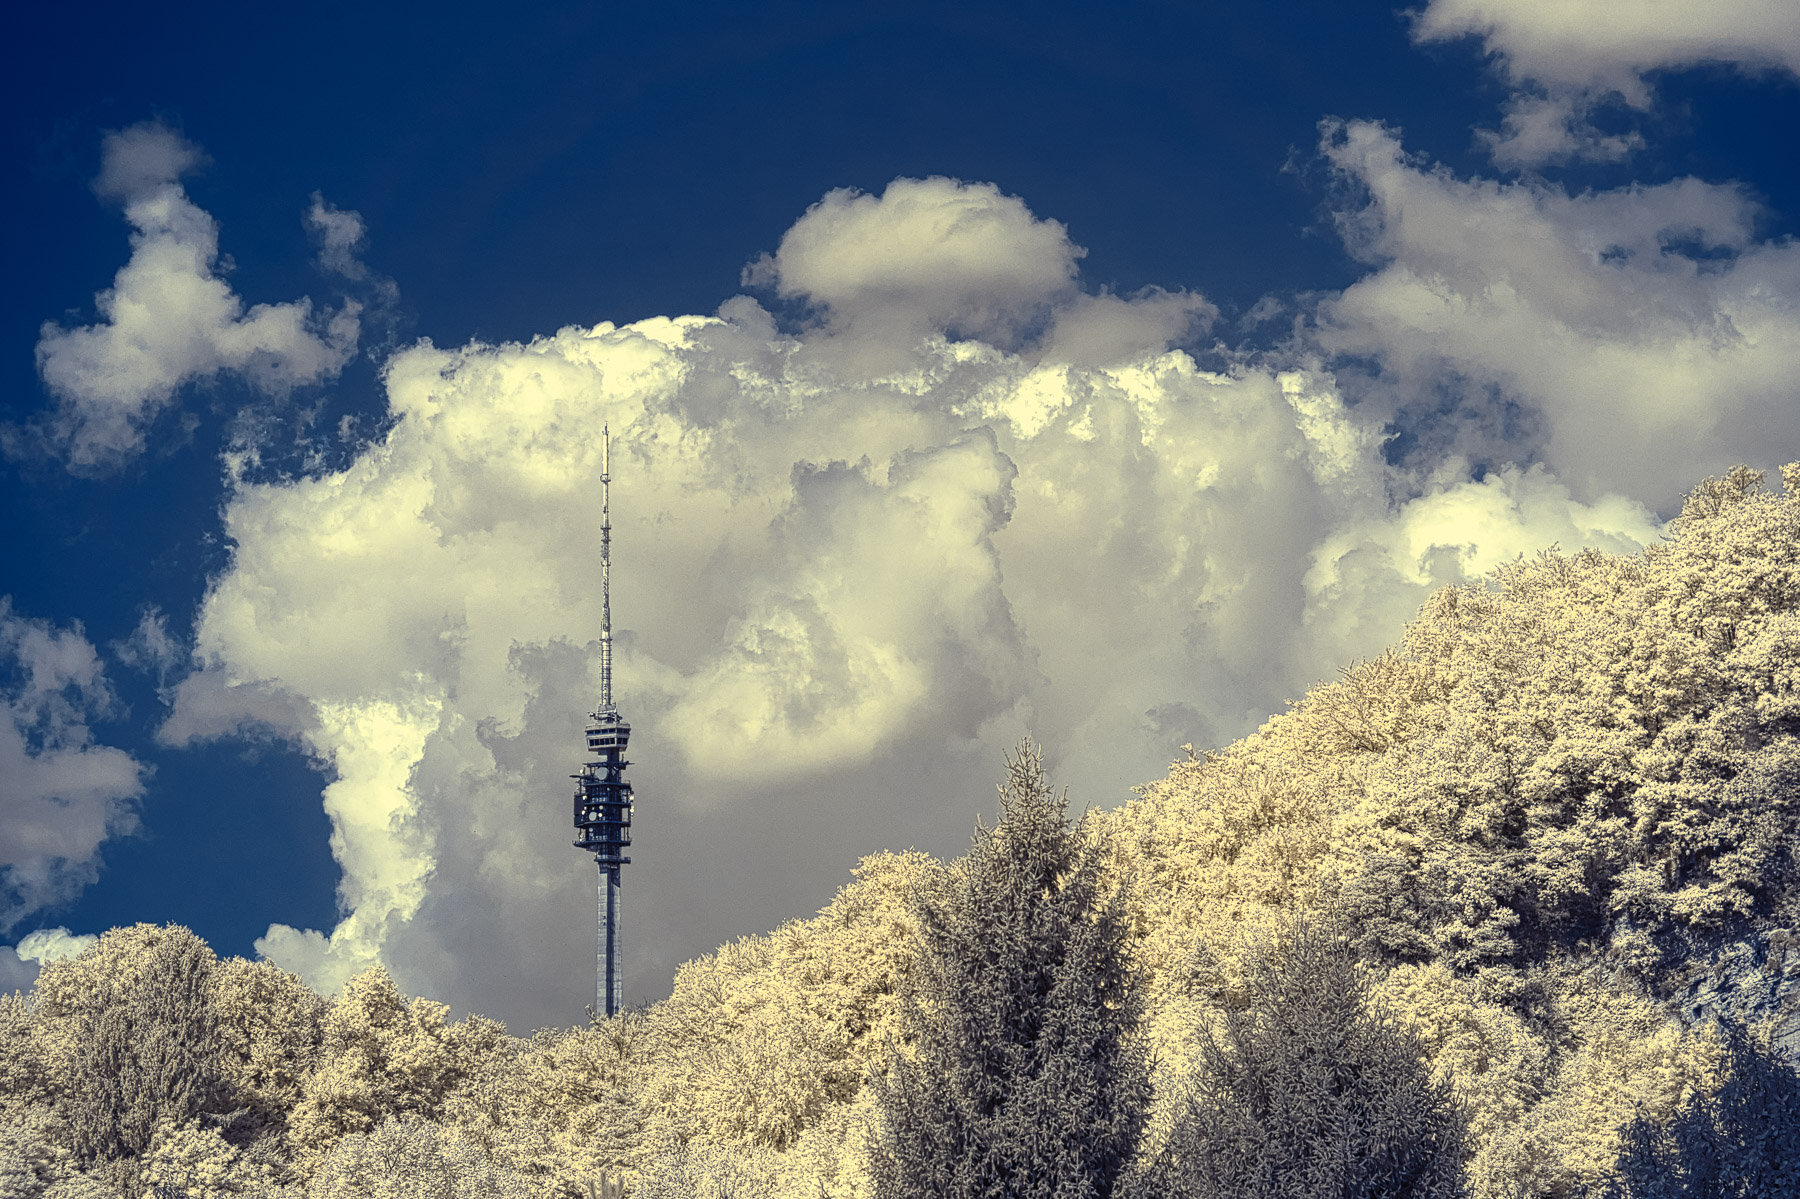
(1742,1142)
(1310,1093)
(147,1049)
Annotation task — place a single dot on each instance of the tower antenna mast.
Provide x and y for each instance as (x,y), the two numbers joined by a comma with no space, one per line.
(606,646)
(602,796)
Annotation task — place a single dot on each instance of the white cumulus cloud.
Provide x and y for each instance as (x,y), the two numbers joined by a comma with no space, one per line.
(48,945)
(169,318)
(61,795)
(928,254)
(1566,56)
(1368,577)
(1631,340)
(843,583)
(19,964)
(937,255)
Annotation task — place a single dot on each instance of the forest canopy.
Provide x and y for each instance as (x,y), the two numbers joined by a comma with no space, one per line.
(1553,826)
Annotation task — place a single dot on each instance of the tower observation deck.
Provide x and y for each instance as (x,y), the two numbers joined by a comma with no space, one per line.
(602,796)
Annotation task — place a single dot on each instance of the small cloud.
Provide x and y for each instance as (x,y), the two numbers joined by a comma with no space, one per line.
(61,795)
(1554,127)
(138,161)
(168,320)
(20,964)
(1261,312)
(48,945)
(151,648)
(341,234)
(926,256)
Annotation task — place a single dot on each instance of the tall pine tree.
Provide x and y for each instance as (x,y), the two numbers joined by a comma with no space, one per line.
(1029,1079)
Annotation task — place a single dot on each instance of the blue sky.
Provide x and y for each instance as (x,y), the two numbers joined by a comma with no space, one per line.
(1108,373)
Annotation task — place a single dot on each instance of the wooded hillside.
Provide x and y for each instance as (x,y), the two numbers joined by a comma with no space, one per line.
(1549,834)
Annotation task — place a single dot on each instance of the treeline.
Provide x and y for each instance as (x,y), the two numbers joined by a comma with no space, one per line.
(1426,933)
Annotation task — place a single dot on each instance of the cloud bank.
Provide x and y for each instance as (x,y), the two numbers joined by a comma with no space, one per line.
(853,562)
(170,319)
(1630,340)
(943,495)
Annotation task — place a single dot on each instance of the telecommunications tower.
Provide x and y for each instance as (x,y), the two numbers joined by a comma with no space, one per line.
(602,796)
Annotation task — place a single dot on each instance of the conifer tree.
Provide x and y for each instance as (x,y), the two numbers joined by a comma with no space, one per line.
(1741,1143)
(1310,1095)
(1028,1079)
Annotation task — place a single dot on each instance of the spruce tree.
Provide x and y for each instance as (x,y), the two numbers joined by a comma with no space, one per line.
(1029,1079)
(1741,1143)
(1310,1095)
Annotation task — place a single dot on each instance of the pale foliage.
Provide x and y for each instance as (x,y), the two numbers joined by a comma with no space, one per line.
(411,1158)
(118,961)
(1541,1127)
(761,1049)
(762,1038)
(1310,1088)
(27,1078)
(1028,1075)
(32,1155)
(191,1162)
(782,1067)
(1532,810)
(145,1048)
(706,1170)
(1606,748)
(1591,755)
(1631,1058)
(81,1186)
(383,1056)
(74,990)
(271,1031)
(1496,1067)
(561,1108)
(1591,746)
(36,1161)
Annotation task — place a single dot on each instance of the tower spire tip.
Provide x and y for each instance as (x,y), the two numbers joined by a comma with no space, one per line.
(606,640)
